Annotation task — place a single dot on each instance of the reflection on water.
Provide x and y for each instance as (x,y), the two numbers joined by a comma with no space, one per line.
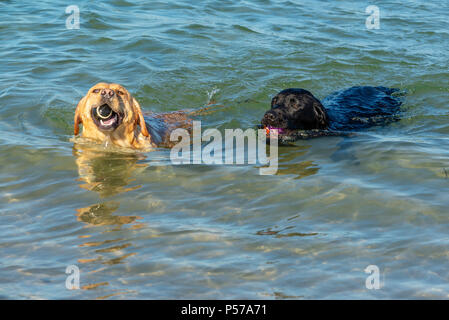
(290,163)
(300,170)
(377,197)
(101,214)
(278,234)
(108,174)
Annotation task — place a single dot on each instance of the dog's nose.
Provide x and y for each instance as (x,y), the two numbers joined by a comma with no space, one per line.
(107,93)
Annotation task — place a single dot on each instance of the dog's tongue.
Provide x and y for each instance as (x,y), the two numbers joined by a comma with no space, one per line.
(109,122)
(279,130)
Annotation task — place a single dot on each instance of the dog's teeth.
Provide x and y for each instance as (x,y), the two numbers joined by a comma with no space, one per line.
(109,122)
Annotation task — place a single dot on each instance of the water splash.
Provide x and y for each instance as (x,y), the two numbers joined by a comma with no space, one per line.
(211,94)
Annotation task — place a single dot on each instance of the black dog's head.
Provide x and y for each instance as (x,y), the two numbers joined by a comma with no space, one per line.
(295,109)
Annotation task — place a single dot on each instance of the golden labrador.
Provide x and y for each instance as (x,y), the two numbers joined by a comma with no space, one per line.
(109,113)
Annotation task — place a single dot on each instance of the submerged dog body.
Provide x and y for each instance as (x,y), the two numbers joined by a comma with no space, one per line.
(296,113)
(108,112)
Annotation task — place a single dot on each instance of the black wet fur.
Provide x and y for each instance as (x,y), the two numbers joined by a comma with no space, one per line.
(303,116)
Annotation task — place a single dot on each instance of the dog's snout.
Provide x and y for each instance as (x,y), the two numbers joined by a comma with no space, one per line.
(269,116)
(107,93)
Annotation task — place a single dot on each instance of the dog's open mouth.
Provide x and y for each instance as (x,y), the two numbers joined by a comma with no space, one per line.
(268,129)
(105,118)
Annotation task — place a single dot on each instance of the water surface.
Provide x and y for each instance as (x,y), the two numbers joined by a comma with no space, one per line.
(139,227)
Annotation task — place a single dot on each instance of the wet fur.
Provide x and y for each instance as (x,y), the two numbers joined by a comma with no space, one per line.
(134,131)
(301,115)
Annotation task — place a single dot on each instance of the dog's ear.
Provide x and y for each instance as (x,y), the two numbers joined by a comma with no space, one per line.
(322,119)
(78,111)
(139,118)
(273,101)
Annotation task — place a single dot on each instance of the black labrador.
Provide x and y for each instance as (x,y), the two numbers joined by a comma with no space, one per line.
(296,113)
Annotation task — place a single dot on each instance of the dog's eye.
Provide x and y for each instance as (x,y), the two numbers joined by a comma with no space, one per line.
(120,93)
(96,90)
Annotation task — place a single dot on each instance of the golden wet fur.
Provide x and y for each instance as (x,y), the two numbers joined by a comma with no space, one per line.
(132,130)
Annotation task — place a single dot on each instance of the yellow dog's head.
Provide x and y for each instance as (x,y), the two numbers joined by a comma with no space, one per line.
(108,111)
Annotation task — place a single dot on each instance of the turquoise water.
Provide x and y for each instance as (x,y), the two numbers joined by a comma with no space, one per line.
(139,227)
